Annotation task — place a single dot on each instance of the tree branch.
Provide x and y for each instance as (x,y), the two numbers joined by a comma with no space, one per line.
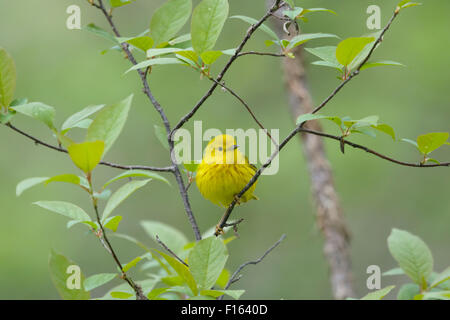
(104,163)
(170,251)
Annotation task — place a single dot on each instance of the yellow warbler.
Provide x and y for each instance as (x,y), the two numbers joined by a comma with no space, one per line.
(224,172)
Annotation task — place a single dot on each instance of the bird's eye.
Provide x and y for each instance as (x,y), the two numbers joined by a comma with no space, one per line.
(220,149)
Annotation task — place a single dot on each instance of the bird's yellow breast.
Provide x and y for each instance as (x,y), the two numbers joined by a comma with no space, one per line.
(220,183)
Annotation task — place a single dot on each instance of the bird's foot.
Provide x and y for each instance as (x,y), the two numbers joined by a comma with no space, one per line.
(219,230)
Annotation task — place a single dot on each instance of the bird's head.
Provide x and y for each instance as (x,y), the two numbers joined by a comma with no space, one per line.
(223,150)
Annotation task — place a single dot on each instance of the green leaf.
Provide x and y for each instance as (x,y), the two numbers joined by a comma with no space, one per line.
(161,134)
(100,32)
(386,129)
(38,111)
(109,122)
(327,53)
(142,43)
(348,49)
(121,195)
(59,266)
(309,116)
(98,280)
(318,10)
(207,22)
(235,294)
(112,223)
(174,239)
(169,19)
(154,62)
(263,27)
(7,78)
(79,117)
(327,64)
(28,183)
(441,278)
(161,51)
(406,4)
(429,142)
(209,57)
(181,39)
(182,271)
(381,63)
(223,279)
(136,173)
(86,155)
(68,178)
(378,294)
(153,295)
(408,291)
(412,255)
(206,261)
(131,264)
(394,272)
(303,38)
(119,3)
(91,224)
(66,209)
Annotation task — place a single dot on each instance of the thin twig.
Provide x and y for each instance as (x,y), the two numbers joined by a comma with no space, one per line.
(219,78)
(105,242)
(235,277)
(170,251)
(104,163)
(245,104)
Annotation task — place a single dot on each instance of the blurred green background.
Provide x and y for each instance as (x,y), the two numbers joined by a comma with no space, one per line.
(64,68)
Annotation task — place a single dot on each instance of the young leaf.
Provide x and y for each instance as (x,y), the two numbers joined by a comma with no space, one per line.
(38,111)
(431,141)
(80,116)
(100,32)
(303,38)
(86,155)
(182,271)
(131,264)
(327,53)
(121,295)
(68,178)
(109,122)
(386,129)
(263,27)
(7,78)
(412,255)
(98,280)
(348,49)
(169,19)
(66,209)
(172,237)
(209,57)
(28,183)
(121,195)
(206,261)
(143,43)
(308,117)
(60,272)
(394,272)
(378,294)
(327,64)
(410,142)
(136,173)
(223,279)
(112,223)
(381,63)
(191,166)
(154,62)
(161,51)
(207,22)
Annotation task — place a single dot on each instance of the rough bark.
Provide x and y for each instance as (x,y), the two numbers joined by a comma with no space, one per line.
(330,217)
